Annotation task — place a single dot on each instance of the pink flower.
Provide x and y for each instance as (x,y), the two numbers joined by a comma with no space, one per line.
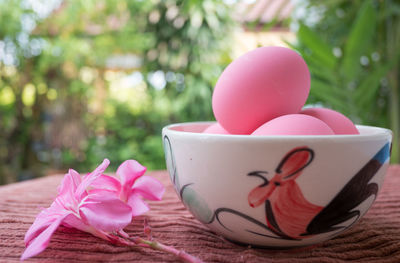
(101,205)
(131,186)
(76,207)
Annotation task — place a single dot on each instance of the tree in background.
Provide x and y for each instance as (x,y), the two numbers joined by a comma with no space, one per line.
(352,49)
(61,103)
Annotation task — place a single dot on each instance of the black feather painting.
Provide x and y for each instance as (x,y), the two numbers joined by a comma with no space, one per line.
(356,191)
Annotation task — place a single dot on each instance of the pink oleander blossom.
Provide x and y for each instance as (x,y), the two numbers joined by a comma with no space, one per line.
(130,186)
(97,211)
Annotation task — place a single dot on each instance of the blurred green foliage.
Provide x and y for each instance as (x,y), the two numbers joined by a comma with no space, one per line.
(63,101)
(85,80)
(352,49)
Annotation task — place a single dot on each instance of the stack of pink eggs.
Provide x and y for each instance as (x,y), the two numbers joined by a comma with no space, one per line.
(263,93)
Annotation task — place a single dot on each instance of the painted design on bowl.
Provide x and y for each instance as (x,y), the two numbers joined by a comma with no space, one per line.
(195,204)
(288,212)
(190,198)
(289,215)
(171,164)
(356,191)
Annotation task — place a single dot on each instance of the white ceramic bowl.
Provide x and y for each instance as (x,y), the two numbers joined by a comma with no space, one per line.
(276,191)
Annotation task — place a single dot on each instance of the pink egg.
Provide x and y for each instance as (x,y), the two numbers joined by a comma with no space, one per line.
(215,128)
(339,123)
(294,124)
(260,85)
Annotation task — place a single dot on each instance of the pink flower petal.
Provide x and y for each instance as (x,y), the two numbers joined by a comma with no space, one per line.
(66,198)
(138,206)
(37,227)
(69,183)
(73,221)
(76,178)
(87,180)
(129,171)
(105,192)
(107,183)
(105,212)
(149,187)
(42,241)
(42,221)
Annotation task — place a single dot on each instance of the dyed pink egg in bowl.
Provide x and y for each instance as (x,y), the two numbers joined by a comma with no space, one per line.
(216,129)
(276,191)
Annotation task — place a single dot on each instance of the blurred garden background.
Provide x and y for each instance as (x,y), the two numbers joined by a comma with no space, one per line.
(85,80)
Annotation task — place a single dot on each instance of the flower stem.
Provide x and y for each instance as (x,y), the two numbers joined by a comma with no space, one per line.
(182,255)
(137,241)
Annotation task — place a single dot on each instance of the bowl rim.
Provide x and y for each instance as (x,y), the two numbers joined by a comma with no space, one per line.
(366,133)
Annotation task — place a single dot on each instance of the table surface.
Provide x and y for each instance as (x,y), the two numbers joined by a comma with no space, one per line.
(376,238)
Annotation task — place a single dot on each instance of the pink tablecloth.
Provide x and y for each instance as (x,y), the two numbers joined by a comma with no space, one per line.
(376,238)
